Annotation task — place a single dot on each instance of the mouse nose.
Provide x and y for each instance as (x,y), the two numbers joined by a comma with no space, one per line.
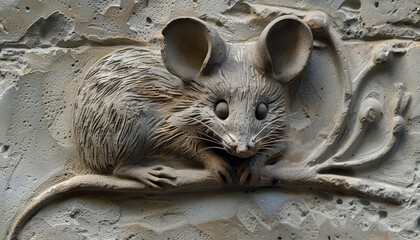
(241,148)
(245,149)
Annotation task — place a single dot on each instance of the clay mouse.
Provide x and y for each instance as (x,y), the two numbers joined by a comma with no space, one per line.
(200,99)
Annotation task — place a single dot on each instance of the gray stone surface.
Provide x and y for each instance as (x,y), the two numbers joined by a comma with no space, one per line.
(47,47)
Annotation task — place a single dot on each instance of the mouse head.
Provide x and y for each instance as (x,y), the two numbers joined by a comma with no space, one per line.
(233,94)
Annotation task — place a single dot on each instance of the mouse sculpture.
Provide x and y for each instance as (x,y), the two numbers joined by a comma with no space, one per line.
(199,99)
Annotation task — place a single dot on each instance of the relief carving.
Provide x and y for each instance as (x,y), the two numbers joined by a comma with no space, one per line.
(225,108)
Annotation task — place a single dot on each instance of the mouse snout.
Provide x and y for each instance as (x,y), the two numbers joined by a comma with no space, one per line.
(242,149)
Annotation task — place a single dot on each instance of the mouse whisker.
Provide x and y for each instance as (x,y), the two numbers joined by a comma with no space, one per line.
(275,141)
(278,119)
(278,137)
(272,122)
(268,134)
(289,115)
(265,137)
(205,139)
(207,125)
(275,150)
(207,148)
(223,128)
(210,137)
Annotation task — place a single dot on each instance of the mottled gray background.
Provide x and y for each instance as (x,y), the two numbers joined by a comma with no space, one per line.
(46,47)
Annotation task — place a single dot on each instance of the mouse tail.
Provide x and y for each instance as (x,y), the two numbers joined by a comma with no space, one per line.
(76,184)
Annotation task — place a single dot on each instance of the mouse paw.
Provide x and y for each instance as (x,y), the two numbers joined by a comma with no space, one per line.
(248,176)
(158,175)
(223,171)
(154,177)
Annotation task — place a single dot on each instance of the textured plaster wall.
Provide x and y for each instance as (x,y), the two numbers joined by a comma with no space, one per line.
(46,47)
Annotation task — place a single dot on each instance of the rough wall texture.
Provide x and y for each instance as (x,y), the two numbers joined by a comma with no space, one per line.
(47,47)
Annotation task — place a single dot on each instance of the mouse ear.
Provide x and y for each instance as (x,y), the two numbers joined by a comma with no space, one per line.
(191,47)
(283,48)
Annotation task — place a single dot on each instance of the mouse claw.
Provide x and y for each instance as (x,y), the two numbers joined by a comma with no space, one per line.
(163,172)
(223,172)
(159,175)
(248,176)
(151,184)
(159,180)
(225,176)
(245,176)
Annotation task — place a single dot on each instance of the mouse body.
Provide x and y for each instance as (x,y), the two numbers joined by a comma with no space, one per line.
(199,99)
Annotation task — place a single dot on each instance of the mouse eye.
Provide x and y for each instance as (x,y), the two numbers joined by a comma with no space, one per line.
(222,110)
(261,111)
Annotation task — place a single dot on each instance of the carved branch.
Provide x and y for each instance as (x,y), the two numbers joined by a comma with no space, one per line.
(381,54)
(361,162)
(369,113)
(398,123)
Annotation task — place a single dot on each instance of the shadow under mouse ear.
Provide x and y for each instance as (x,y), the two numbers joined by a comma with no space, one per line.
(191,47)
(283,48)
